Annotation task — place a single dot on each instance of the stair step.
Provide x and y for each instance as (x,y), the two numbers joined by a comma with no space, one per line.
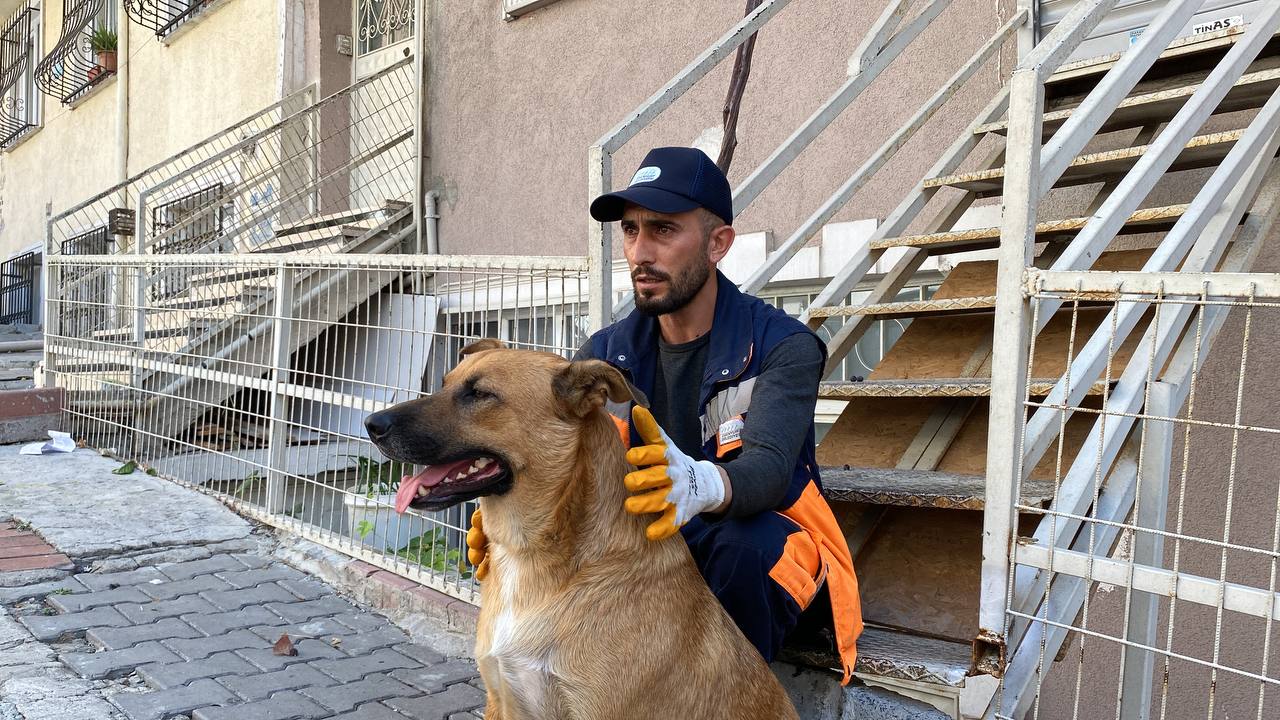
(930,387)
(1204,49)
(296,242)
(1251,91)
(888,653)
(346,217)
(1201,151)
(919,488)
(912,308)
(1141,221)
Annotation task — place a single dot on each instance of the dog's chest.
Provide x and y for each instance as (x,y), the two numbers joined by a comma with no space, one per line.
(518,656)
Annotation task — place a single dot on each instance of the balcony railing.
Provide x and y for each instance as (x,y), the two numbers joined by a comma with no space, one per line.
(163,16)
(71,68)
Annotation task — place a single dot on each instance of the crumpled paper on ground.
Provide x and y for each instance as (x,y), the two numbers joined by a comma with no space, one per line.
(58,442)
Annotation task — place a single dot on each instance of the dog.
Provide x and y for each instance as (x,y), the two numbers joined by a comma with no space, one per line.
(581,617)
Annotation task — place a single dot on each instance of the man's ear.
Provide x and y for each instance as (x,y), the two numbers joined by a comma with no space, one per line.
(720,242)
(584,386)
(480,346)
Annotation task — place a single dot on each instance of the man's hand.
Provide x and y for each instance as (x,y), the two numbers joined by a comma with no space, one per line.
(669,482)
(478,546)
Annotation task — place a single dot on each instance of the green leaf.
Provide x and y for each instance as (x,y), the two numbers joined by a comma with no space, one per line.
(153,472)
(364,527)
(126,469)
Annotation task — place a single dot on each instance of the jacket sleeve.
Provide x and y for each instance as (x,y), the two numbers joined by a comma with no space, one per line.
(776,425)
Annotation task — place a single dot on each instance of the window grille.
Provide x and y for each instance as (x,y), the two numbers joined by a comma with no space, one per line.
(163,16)
(72,67)
(382,23)
(86,288)
(191,224)
(18,288)
(19,48)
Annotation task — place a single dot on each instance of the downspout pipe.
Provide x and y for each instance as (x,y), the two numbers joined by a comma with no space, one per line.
(431,220)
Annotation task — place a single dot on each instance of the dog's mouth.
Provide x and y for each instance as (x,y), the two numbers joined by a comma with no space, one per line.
(444,485)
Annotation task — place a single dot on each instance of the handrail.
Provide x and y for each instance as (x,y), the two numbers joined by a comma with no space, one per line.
(779,257)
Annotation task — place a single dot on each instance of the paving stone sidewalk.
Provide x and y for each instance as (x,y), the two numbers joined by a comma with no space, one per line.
(193,639)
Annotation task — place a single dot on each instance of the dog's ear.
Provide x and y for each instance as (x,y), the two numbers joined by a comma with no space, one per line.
(584,386)
(480,346)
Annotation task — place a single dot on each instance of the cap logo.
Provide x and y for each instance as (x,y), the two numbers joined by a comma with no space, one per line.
(646,174)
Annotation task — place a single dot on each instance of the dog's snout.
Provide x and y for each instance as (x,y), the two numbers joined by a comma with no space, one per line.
(378,425)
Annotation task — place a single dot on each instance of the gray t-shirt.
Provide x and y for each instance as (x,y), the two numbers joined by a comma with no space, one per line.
(775,426)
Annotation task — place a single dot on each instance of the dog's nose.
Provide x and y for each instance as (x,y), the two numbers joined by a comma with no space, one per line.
(378,425)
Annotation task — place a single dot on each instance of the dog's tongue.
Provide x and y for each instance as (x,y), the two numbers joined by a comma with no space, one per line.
(430,476)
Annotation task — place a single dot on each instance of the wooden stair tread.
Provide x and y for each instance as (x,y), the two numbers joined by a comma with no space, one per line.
(930,387)
(1250,91)
(888,653)
(912,308)
(1200,151)
(344,217)
(1146,220)
(1218,42)
(919,488)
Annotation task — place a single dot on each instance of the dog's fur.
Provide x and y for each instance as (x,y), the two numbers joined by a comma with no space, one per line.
(581,616)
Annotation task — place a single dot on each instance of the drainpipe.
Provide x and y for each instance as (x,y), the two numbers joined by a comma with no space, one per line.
(431,219)
(122,107)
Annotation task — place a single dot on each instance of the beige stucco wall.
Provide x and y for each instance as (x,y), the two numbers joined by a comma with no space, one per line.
(220,69)
(515,105)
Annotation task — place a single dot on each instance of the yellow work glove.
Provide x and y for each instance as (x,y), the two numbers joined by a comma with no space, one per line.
(478,546)
(669,482)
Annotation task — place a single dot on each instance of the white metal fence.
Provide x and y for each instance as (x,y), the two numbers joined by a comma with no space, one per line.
(1152,576)
(267,411)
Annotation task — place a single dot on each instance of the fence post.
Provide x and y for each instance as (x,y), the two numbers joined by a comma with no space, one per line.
(599,241)
(278,429)
(1010,349)
(1148,548)
(140,287)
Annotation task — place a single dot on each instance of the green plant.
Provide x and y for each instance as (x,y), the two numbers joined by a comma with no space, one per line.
(103,40)
(364,527)
(375,478)
(431,550)
(247,484)
(126,469)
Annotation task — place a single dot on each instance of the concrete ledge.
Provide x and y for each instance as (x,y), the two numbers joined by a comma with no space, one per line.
(17,404)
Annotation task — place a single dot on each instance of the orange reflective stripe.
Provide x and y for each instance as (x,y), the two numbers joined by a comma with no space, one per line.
(624,429)
(798,568)
(813,514)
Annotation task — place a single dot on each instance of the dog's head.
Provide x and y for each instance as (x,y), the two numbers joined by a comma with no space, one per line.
(501,415)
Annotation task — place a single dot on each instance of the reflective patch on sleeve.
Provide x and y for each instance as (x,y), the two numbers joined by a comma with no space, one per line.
(729,436)
(725,405)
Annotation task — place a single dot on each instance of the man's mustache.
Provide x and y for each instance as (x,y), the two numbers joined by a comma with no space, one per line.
(647,272)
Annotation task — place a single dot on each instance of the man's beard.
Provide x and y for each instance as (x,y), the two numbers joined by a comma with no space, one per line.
(680,290)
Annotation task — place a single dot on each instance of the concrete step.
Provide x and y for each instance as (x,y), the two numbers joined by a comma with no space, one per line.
(1201,151)
(1154,219)
(345,217)
(28,414)
(919,488)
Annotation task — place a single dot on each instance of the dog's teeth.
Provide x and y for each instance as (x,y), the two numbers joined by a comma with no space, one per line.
(460,475)
(482,463)
(422,492)
(475,468)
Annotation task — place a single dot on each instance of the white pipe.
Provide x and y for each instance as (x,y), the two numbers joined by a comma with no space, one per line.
(122,106)
(431,220)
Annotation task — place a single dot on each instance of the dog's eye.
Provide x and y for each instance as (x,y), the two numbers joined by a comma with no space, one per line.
(476,393)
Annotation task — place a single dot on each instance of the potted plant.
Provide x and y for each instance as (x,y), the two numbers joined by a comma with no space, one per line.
(104,42)
(370,505)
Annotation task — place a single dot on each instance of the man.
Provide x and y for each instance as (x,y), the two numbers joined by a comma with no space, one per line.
(726,449)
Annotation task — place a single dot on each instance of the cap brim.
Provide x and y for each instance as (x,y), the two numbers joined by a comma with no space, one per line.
(609,208)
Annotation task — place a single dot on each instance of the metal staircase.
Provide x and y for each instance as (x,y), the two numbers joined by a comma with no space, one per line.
(1005,404)
(325,178)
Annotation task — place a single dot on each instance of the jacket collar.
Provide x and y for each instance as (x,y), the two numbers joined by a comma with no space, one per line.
(635,342)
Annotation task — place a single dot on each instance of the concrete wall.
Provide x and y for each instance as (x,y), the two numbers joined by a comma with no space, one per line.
(222,68)
(515,105)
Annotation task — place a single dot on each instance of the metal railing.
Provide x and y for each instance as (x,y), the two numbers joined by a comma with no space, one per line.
(278,427)
(164,16)
(1148,351)
(888,37)
(71,68)
(18,288)
(19,52)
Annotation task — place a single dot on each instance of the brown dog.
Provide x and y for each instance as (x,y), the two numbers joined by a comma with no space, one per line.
(581,616)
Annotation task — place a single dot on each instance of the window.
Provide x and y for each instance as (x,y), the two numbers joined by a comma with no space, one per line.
(19,51)
(382,23)
(516,8)
(191,224)
(85,54)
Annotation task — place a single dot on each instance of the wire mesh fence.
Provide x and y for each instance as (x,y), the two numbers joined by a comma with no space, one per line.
(1151,578)
(255,390)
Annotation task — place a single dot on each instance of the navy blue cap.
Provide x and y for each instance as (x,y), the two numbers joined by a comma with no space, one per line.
(671,180)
